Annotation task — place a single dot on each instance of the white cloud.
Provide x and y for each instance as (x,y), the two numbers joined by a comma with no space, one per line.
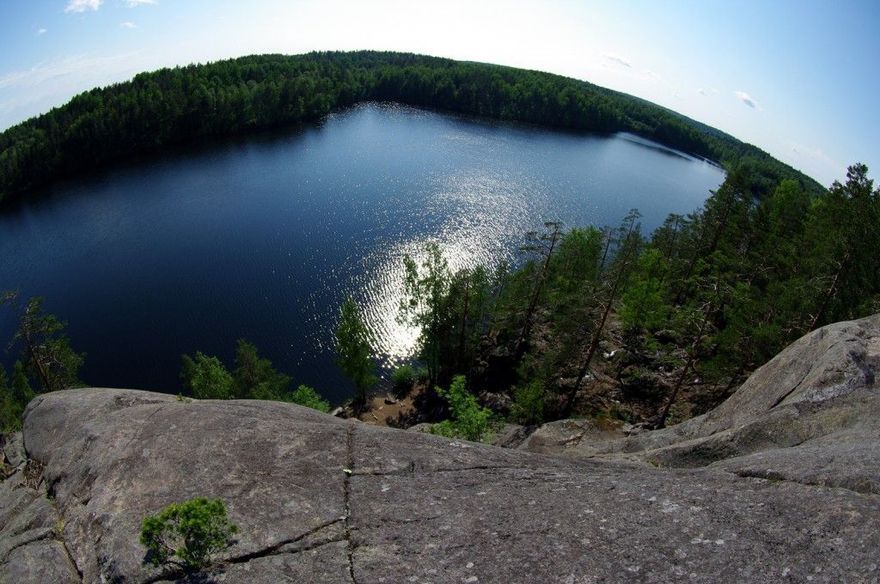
(83,5)
(746,99)
(128,24)
(617,59)
(135,3)
(29,92)
(42,31)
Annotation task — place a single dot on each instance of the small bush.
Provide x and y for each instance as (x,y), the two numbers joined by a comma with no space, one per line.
(403,378)
(469,420)
(187,534)
(307,396)
(206,377)
(528,403)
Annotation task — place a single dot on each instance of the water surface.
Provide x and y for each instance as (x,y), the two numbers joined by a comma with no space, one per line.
(264,237)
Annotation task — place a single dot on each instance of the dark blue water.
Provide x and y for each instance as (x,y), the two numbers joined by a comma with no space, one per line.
(264,238)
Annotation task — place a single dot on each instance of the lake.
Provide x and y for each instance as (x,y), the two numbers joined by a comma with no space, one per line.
(264,237)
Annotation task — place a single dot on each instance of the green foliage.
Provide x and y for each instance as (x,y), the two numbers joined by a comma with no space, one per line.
(206,377)
(46,360)
(46,353)
(576,265)
(644,304)
(187,534)
(426,291)
(403,378)
(529,403)
(452,310)
(171,106)
(469,420)
(713,295)
(355,355)
(10,409)
(308,397)
(255,377)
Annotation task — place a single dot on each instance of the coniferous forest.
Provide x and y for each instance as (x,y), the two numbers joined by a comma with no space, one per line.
(644,327)
(173,106)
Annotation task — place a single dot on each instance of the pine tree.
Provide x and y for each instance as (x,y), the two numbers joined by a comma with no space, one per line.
(354,350)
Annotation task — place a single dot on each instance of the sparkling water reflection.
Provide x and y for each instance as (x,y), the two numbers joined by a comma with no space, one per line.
(264,238)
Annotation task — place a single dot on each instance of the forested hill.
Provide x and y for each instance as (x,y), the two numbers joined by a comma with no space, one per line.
(172,106)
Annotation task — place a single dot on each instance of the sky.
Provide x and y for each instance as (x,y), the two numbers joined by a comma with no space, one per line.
(798,78)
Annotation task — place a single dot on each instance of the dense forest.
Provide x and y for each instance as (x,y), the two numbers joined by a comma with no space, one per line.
(172,106)
(651,328)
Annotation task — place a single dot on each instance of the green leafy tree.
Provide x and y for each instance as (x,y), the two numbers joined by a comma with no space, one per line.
(469,420)
(844,229)
(424,305)
(15,394)
(644,304)
(46,352)
(403,378)
(529,403)
(629,243)
(10,417)
(206,377)
(354,350)
(255,377)
(187,535)
(308,397)
(542,245)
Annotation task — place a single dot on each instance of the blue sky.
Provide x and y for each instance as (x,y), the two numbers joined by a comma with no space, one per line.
(797,78)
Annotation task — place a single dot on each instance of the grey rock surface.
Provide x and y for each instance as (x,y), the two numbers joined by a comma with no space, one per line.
(31,549)
(13,450)
(580,435)
(321,499)
(810,415)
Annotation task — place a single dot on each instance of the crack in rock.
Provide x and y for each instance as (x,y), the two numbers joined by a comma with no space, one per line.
(275,549)
(26,537)
(411,470)
(771,476)
(805,375)
(346,490)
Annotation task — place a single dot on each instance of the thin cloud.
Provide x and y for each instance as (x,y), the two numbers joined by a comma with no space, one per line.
(52,73)
(135,3)
(41,32)
(83,5)
(746,99)
(29,92)
(617,59)
(128,24)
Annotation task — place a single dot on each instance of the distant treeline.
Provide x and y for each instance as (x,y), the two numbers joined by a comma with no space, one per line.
(173,106)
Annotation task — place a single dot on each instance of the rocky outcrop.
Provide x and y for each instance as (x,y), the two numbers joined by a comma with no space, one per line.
(810,415)
(31,546)
(320,499)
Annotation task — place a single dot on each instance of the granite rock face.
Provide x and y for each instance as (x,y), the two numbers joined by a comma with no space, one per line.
(320,499)
(810,415)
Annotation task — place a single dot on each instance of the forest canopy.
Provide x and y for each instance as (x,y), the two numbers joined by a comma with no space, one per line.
(185,104)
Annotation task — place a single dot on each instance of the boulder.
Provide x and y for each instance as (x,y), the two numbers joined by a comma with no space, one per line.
(12,449)
(563,435)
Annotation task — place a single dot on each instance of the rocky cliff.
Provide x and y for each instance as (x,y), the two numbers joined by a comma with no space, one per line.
(780,483)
